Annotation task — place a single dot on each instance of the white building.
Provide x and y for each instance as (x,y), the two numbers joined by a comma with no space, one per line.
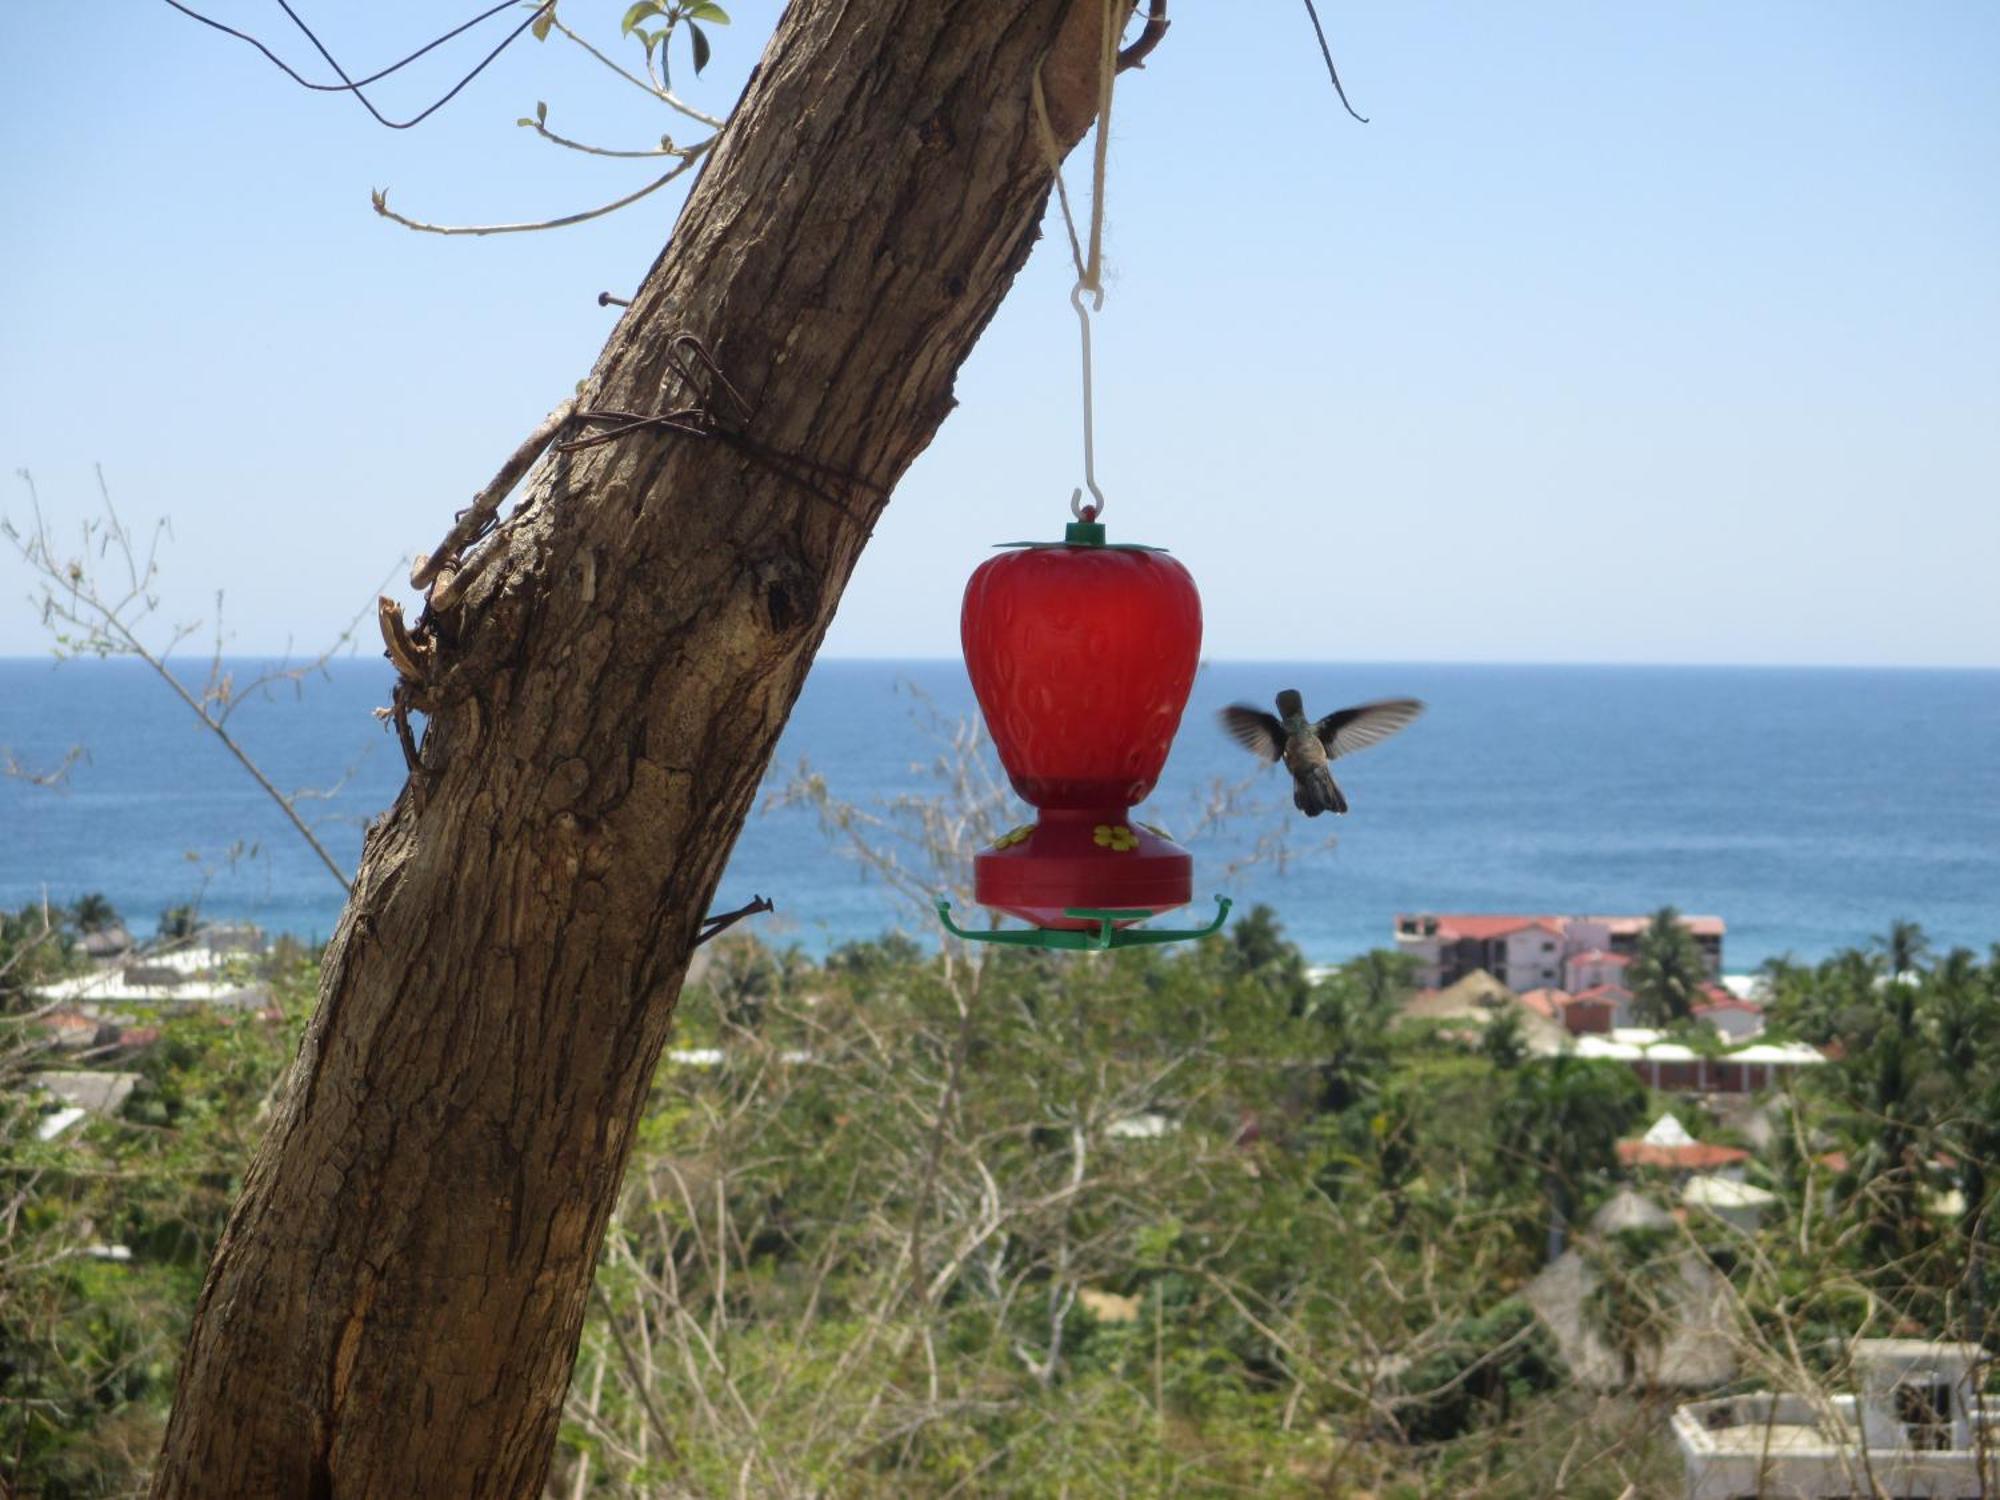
(1678,1068)
(1741,1205)
(212,969)
(1918,1428)
(81,1094)
(132,985)
(1736,1018)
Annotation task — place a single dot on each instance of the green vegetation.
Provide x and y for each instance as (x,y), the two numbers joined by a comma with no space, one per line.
(1191,1223)
(88,1337)
(35,945)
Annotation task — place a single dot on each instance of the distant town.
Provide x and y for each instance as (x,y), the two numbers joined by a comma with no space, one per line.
(1650,993)
(1563,980)
(1919,1420)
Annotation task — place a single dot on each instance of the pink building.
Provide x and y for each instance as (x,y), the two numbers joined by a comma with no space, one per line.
(1593,967)
(1532,952)
(1621,935)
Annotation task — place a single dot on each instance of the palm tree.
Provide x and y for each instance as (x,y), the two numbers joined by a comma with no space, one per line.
(1563,1121)
(1258,949)
(1905,945)
(1393,1131)
(93,912)
(1848,998)
(1957,974)
(1883,1115)
(1668,974)
(1354,1051)
(1960,1012)
(1796,999)
(1504,1042)
(1385,978)
(1964,1018)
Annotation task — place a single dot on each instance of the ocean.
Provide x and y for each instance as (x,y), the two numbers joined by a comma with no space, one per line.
(1808,808)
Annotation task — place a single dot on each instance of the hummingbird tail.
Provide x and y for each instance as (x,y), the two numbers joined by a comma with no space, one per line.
(1316,792)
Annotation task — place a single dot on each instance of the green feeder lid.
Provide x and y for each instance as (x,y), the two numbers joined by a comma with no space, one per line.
(1085,534)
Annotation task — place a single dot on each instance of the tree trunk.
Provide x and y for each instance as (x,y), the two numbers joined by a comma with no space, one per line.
(1558,1226)
(1972,1228)
(395,1305)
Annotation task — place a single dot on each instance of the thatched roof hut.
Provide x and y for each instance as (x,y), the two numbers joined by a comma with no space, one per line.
(1695,1348)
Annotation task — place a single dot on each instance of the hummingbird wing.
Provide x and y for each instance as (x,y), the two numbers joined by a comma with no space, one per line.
(1256,731)
(1357,728)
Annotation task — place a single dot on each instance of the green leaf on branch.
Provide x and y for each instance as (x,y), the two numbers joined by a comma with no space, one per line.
(644,10)
(707,10)
(542,23)
(541,113)
(701,48)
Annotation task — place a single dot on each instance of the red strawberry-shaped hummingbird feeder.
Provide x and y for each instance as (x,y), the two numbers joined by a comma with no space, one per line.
(1082,653)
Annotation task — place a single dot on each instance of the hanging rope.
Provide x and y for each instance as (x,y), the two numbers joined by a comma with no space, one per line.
(1076,506)
(1090,265)
(1053,154)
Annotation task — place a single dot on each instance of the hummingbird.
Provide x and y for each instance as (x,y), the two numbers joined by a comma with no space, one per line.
(1306,747)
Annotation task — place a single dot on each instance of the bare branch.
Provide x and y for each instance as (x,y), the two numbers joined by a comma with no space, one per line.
(53,778)
(1154,33)
(474,519)
(723,921)
(411,660)
(665,148)
(109,627)
(380,199)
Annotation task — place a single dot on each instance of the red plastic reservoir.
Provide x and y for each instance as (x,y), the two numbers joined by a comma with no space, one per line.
(1082,655)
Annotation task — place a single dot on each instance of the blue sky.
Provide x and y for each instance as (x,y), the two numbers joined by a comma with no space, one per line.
(1624,332)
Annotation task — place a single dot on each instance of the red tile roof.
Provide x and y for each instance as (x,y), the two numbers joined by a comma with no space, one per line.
(1699,926)
(1461,928)
(1480,928)
(1455,926)
(1609,993)
(1547,1002)
(1699,1157)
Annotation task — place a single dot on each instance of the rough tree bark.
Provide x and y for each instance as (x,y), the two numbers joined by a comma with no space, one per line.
(395,1305)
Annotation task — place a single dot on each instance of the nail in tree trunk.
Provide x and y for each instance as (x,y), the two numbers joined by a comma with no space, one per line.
(395,1305)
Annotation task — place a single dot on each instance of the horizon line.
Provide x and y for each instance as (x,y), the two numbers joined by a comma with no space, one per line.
(1598,664)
